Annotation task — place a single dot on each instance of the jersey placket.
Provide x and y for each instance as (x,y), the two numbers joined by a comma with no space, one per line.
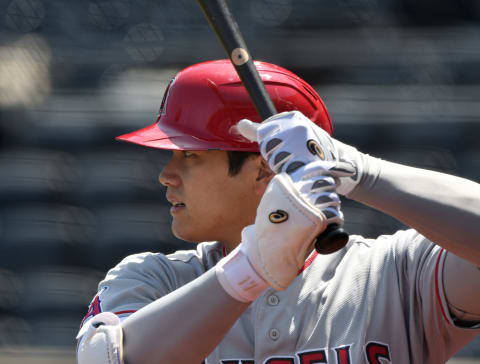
(276,333)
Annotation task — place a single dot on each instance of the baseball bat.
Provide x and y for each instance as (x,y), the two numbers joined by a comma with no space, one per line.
(221,20)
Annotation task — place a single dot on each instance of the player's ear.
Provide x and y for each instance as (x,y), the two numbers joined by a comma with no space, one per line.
(264,175)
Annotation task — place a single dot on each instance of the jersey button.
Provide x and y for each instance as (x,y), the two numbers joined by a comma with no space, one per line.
(273,300)
(274,334)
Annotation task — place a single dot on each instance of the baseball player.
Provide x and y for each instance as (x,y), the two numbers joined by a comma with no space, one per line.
(257,195)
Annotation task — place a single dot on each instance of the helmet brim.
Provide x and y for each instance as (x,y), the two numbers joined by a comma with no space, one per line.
(154,137)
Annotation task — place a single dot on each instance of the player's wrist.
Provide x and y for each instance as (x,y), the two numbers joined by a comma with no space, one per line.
(238,277)
(347,155)
(371,167)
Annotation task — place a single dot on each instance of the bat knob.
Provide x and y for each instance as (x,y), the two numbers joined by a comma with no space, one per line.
(333,238)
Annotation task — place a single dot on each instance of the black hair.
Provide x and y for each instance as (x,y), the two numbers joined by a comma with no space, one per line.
(236,160)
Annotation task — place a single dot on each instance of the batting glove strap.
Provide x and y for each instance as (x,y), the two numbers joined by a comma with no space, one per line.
(349,156)
(284,232)
(101,340)
(238,278)
(367,180)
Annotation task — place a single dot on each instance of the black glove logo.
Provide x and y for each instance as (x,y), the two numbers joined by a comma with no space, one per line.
(315,149)
(278,216)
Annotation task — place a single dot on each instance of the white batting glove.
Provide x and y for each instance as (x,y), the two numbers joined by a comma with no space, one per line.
(290,140)
(274,249)
(284,233)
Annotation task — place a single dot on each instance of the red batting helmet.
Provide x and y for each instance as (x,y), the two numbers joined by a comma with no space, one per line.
(204,102)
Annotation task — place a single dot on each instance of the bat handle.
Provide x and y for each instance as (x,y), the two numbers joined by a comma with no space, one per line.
(333,238)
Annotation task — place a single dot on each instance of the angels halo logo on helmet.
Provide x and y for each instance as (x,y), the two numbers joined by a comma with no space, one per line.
(163,105)
(204,102)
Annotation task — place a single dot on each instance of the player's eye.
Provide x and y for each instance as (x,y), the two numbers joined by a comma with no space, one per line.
(187,154)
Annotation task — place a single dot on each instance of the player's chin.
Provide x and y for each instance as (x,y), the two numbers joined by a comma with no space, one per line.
(181,231)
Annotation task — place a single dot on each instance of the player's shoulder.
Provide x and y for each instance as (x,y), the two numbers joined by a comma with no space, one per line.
(207,254)
(407,236)
(407,242)
(140,279)
(182,265)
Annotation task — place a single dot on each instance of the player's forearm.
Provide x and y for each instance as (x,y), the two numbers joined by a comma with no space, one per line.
(182,327)
(444,208)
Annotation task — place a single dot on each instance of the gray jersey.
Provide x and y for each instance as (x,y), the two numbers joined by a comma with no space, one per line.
(375,301)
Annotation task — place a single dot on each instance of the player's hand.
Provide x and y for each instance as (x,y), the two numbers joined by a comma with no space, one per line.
(289,218)
(285,229)
(290,140)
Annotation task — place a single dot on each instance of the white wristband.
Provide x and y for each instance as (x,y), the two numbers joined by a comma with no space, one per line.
(238,278)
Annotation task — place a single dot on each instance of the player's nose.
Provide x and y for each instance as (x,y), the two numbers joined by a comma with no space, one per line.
(168,176)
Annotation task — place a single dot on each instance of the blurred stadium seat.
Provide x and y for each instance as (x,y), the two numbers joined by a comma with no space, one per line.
(125,229)
(11,290)
(117,175)
(52,290)
(368,222)
(54,330)
(36,174)
(38,234)
(469,164)
(14,331)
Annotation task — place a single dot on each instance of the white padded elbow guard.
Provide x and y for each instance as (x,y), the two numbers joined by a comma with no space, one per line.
(101,340)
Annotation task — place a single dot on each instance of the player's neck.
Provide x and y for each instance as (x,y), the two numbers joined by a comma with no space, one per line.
(230,245)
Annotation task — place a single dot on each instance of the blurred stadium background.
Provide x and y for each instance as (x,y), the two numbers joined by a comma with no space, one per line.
(401,79)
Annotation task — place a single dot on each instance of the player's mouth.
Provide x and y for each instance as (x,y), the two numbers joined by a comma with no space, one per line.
(176,208)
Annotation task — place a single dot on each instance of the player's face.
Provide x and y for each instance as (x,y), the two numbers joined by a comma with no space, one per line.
(207,203)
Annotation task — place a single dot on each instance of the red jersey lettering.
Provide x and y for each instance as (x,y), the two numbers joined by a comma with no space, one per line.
(280,361)
(312,357)
(376,351)
(343,355)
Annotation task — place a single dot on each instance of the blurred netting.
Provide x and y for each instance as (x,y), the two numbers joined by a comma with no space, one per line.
(400,77)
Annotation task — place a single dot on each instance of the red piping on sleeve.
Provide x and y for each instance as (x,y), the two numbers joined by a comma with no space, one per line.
(126,311)
(437,290)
